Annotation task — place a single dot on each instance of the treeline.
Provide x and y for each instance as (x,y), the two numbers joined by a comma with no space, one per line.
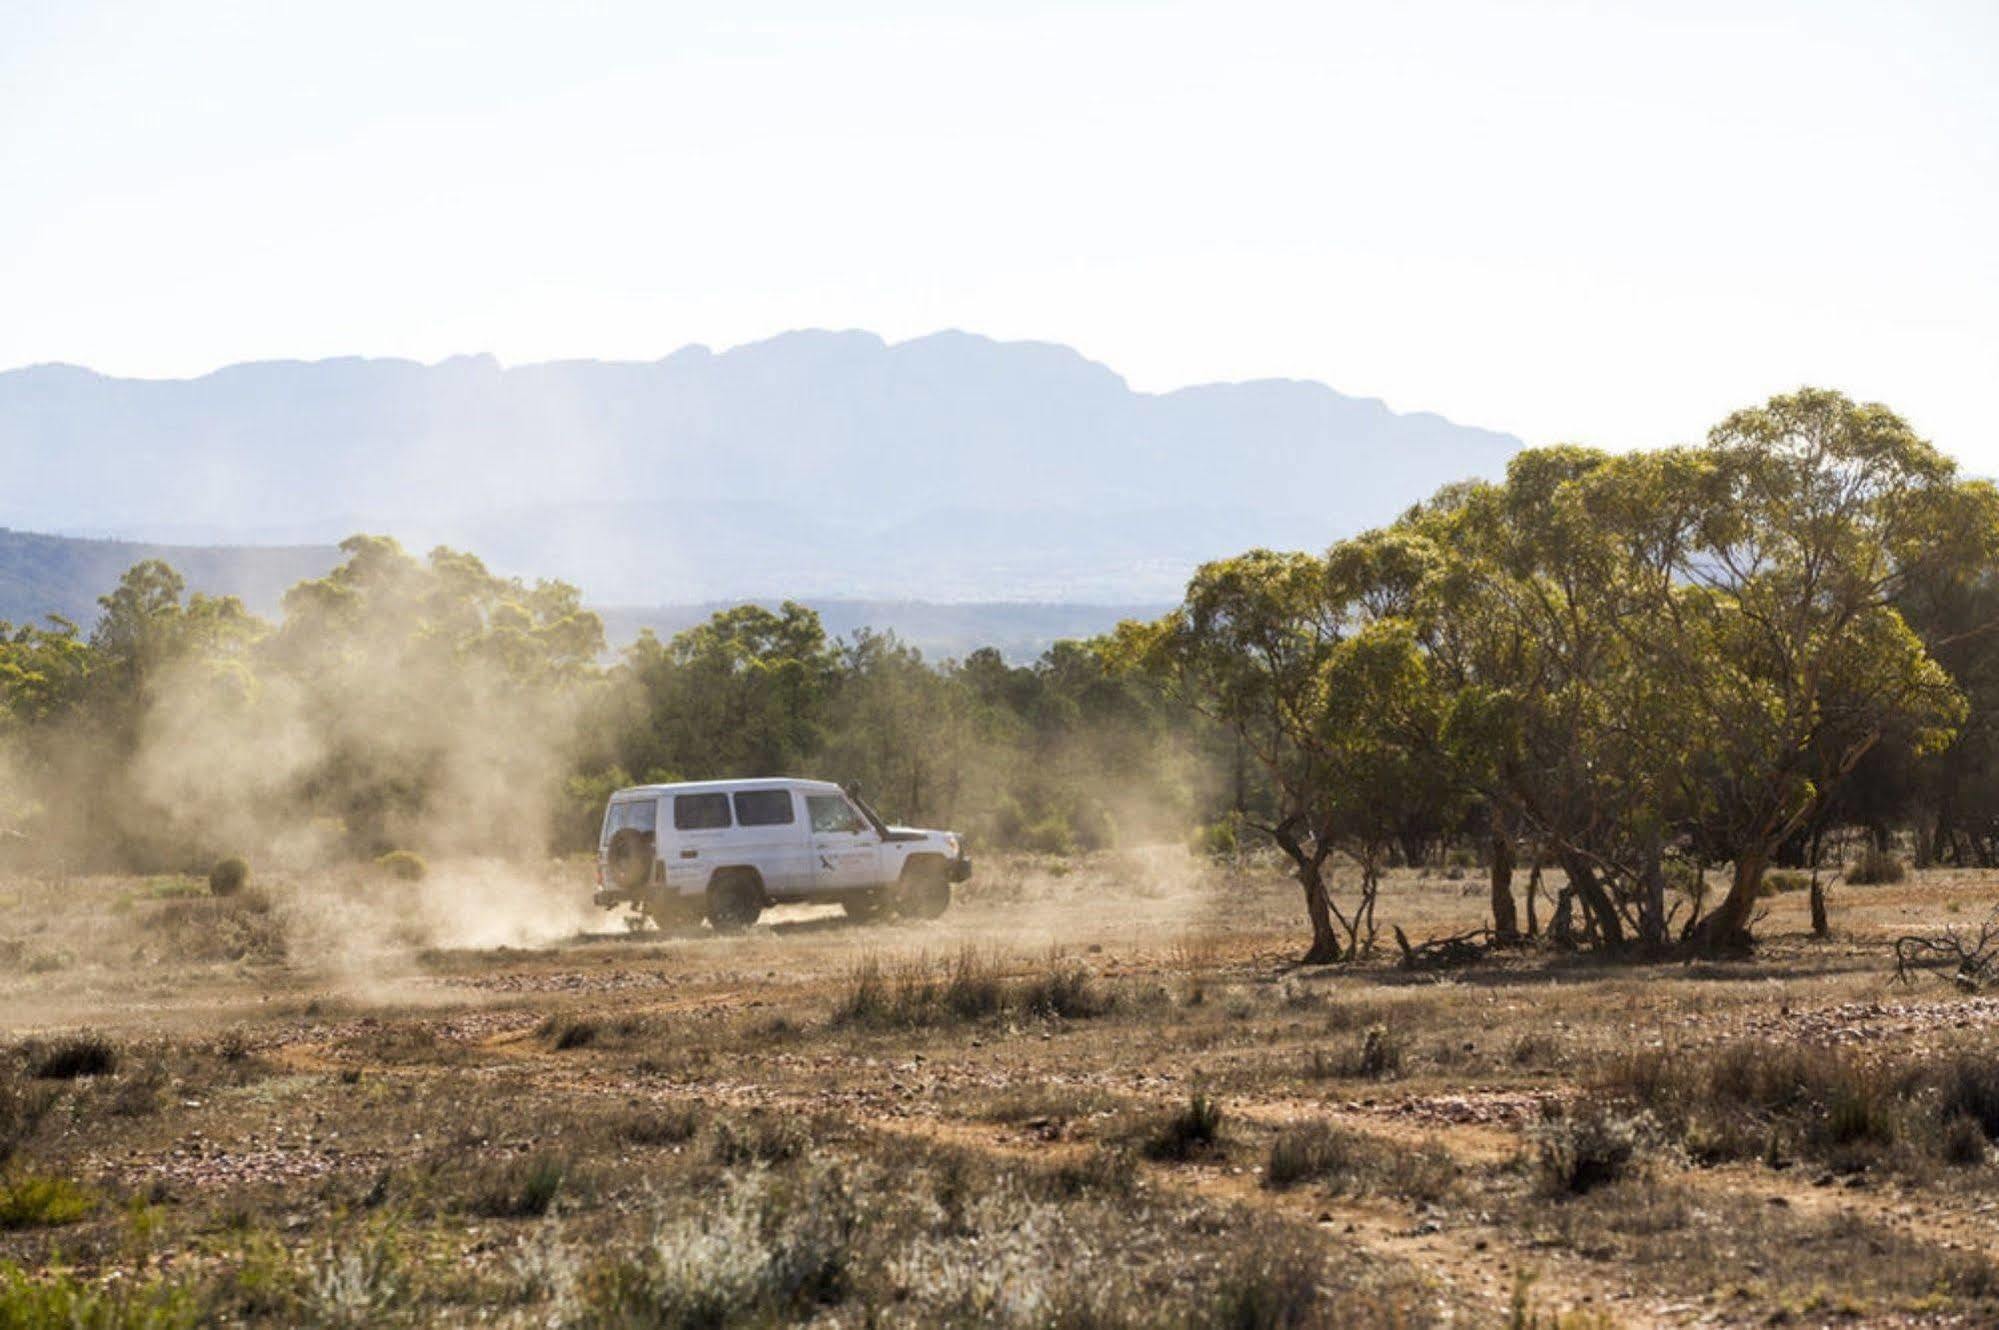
(1640,667)
(430,703)
(1661,673)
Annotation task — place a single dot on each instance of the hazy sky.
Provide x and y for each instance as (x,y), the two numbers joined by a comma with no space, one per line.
(1601,221)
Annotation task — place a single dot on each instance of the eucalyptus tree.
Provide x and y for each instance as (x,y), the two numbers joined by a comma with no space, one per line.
(1248,648)
(1821,514)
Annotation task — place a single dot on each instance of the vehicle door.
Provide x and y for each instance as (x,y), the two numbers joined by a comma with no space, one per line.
(846,851)
(702,834)
(772,836)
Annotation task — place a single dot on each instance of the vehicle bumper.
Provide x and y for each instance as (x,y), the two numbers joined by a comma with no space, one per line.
(961,869)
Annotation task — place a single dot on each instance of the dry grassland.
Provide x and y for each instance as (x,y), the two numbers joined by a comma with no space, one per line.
(1095,1094)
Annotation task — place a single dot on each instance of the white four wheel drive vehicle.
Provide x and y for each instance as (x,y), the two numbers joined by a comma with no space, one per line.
(724,850)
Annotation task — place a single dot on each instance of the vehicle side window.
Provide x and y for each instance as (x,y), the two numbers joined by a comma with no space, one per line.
(763,808)
(700,812)
(831,813)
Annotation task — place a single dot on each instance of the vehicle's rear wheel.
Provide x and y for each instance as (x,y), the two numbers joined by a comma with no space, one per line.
(734,902)
(865,905)
(925,891)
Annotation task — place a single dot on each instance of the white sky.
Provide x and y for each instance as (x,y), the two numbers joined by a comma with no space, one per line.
(1610,222)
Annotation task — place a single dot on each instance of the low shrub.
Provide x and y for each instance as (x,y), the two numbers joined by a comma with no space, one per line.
(56,1298)
(1271,1282)
(1188,1133)
(673,1125)
(768,1251)
(566,1032)
(972,989)
(32,1201)
(1579,1151)
(1969,1088)
(758,1139)
(229,876)
(238,927)
(403,865)
(1221,839)
(73,1058)
(1309,1152)
(1781,882)
(522,1188)
(1876,868)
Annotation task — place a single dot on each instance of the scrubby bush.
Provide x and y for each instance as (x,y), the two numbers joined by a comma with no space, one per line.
(1378,1056)
(1221,839)
(1753,1098)
(229,875)
(566,1032)
(1578,1151)
(1876,868)
(768,1252)
(1307,1152)
(674,1125)
(23,1105)
(1780,882)
(972,989)
(1189,1132)
(74,1057)
(522,1188)
(57,1298)
(31,1201)
(403,865)
(242,927)
(757,1139)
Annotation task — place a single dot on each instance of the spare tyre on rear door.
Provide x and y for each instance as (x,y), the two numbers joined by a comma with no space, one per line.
(628,860)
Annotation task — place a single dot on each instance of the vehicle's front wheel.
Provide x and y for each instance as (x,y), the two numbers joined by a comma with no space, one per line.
(925,892)
(734,903)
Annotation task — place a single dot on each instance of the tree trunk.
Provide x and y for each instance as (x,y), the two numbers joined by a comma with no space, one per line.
(1533,896)
(1727,929)
(1505,920)
(1602,910)
(1325,948)
(1652,908)
(1560,929)
(1820,926)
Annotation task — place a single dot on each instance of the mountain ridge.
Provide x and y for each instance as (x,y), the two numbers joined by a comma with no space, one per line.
(833,454)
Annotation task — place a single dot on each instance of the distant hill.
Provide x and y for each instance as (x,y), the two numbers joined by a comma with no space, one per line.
(815,465)
(42,575)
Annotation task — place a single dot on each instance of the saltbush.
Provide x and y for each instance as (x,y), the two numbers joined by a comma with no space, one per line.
(229,875)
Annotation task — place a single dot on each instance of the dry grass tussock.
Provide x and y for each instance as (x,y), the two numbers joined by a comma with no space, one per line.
(972,987)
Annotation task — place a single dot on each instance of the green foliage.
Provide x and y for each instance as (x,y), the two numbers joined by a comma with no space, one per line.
(34,1301)
(229,875)
(32,1201)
